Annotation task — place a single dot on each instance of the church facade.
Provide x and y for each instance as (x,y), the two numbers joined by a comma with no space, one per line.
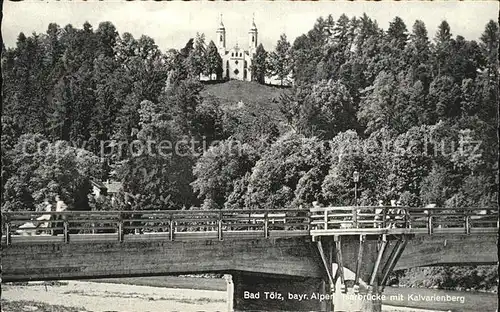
(236,61)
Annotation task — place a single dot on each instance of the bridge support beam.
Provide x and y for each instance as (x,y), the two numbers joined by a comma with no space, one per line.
(359,266)
(326,263)
(362,239)
(230,292)
(380,254)
(396,253)
(349,268)
(340,263)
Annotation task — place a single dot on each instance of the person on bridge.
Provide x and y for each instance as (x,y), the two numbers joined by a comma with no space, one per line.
(45,217)
(60,207)
(379,215)
(391,215)
(400,215)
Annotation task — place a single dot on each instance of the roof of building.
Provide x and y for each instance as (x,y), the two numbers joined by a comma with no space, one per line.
(113,187)
(107,187)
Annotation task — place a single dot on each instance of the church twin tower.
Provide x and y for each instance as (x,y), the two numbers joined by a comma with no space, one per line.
(236,62)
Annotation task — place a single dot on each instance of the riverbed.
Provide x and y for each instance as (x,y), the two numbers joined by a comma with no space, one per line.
(80,296)
(100,297)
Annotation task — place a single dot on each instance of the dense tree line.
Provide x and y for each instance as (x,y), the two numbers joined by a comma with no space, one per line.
(404,110)
(75,102)
(416,117)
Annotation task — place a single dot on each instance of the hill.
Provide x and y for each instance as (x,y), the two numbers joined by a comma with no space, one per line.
(253,97)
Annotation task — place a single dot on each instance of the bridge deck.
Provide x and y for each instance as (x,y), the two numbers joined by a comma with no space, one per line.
(185,225)
(41,246)
(153,236)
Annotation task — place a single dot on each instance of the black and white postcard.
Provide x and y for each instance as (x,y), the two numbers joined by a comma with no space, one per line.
(249,156)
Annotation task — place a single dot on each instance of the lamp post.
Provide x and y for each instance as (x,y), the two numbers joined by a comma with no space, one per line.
(355,177)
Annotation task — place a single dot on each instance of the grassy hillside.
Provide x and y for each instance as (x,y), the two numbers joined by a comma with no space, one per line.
(256,98)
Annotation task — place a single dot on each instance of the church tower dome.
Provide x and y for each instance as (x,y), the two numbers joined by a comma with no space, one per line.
(254,27)
(221,36)
(221,25)
(252,36)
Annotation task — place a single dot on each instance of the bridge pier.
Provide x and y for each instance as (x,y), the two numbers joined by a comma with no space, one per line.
(358,266)
(230,291)
(285,293)
(373,301)
(367,300)
(278,293)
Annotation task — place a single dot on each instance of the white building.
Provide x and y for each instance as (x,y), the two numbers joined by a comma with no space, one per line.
(236,62)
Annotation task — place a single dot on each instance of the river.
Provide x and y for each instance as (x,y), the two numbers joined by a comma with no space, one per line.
(79,296)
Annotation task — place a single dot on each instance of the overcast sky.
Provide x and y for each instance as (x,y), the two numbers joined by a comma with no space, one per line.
(171,24)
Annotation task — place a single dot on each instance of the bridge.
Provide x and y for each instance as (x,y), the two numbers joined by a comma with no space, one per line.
(325,251)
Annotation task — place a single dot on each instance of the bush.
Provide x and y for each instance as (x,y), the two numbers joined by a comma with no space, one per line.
(481,277)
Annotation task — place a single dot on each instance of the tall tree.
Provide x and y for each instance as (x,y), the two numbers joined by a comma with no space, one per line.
(195,62)
(303,60)
(43,169)
(142,76)
(367,28)
(213,61)
(183,100)
(24,95)
(276,176)
(217,170)
(445,94)
(368,47)
(443,49)
(107,35)
(73,95)
(328,110)
(158,176)
(418,54)
(336,50)
(467,59)
(279,59)
(259,64)
(55,48)
(397,33)
(108,90)
(394,43)
(376,110)
(489,45)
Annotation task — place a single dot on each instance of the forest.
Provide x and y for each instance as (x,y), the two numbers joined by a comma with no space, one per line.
(414,113)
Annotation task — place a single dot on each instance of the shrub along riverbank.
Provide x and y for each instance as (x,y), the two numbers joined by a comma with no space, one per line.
(469,278)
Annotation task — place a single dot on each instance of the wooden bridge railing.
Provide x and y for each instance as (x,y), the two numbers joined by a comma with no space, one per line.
(414,220)
(256,223)
(289,222)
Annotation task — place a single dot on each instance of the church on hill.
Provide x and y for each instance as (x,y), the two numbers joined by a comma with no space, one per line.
(236,61)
